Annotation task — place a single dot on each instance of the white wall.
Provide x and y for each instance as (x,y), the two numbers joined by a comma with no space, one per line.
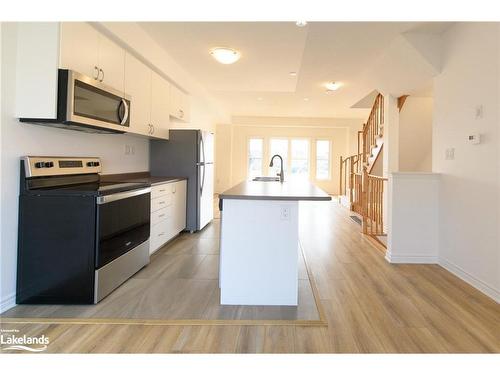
(415,135)
(414,234)
(469,196)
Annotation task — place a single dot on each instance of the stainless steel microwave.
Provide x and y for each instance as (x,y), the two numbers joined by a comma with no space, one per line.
(88,105)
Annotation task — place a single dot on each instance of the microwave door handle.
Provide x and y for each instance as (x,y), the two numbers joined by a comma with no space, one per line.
(126,112)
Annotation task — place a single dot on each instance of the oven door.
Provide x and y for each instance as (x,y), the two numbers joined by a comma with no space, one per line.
(91,103)
(123,222)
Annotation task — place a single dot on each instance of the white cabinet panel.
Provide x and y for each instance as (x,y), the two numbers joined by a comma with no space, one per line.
(160,190)
(179,206)
(179,104)
(111,63)
(138,86)
(160,116)
(161,202)
(79,48)
(168,212)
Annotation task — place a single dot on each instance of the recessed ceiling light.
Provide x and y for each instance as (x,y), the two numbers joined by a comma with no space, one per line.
(332,86)
(225,55)
(293,74)
(306,99)
(301,23)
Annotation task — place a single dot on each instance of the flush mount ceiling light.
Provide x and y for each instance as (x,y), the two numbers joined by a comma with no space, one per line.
(332,86)
(293,74)
(301,23)
(306,99)
(225,55)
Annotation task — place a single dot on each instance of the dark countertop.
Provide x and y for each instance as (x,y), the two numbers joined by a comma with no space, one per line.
(141,177)
(287,191)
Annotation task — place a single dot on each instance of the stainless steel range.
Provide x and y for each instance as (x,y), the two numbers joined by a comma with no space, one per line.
(79,238)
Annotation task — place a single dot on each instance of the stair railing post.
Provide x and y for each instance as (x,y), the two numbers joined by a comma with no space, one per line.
(364,200)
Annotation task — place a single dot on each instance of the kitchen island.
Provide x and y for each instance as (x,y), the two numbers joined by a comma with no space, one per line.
(259,246)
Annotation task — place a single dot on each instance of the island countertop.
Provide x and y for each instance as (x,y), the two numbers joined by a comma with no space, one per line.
(286,191)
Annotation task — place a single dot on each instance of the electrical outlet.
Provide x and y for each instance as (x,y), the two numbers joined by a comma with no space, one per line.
(285,213)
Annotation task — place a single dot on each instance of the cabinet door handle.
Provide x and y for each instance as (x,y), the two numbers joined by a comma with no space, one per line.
(181,113)
(96,71)
(102,78)
(161,234)
(161,190)
(162,202)
(152,129)
(161,215)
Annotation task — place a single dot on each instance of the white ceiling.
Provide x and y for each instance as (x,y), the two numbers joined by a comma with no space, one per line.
(319,52)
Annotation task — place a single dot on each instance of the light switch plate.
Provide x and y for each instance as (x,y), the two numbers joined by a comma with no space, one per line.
(449,154)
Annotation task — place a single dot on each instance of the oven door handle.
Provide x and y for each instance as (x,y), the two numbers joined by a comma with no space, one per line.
(123,195)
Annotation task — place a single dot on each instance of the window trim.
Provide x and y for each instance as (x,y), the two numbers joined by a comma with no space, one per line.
(248,155)
(309,151)
(330,154)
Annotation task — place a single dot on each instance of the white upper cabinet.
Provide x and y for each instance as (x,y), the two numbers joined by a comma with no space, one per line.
(80,48)
(87,51)
(160,115)
(149,93)
(138,86)
(179,104)
(111,63)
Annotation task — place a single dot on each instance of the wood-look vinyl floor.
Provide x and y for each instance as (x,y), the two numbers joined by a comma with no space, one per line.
(180,284)
(370,306)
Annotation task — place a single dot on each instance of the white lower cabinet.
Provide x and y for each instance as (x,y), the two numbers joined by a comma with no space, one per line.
(168,212)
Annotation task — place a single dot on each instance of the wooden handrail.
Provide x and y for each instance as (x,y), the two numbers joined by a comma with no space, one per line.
(365,191)
(373,218)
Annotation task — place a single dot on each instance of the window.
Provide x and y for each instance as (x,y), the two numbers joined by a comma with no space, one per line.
(299,161)
(322,160)
(280,147)
(255,154)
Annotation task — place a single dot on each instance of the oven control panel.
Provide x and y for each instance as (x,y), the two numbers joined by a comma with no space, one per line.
(39,166)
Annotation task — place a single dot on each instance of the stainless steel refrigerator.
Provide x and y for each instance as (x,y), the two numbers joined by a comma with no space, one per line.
(188,153)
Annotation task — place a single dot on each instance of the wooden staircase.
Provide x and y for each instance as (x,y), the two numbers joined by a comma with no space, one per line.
(362,192)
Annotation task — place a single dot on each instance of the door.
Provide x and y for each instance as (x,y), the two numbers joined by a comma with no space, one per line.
(80,48)
(160,116)
(112,64)
(206,203)
(138,86)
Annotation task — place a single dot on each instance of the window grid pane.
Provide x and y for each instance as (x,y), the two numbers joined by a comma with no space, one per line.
(255,155)
(322,160)
(300,158)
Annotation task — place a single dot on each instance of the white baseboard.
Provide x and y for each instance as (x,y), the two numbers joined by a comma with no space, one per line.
(8,302)
(411,259)
(472,280)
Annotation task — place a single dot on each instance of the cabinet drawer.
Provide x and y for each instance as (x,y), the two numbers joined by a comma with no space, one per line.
(159,235)
(161,202)
(160,215)
(160,190)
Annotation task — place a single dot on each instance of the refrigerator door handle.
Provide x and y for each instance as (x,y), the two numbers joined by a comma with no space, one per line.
(202,147)
(202,181)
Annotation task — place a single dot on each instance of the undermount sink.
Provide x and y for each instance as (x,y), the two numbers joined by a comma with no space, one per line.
(266,179)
